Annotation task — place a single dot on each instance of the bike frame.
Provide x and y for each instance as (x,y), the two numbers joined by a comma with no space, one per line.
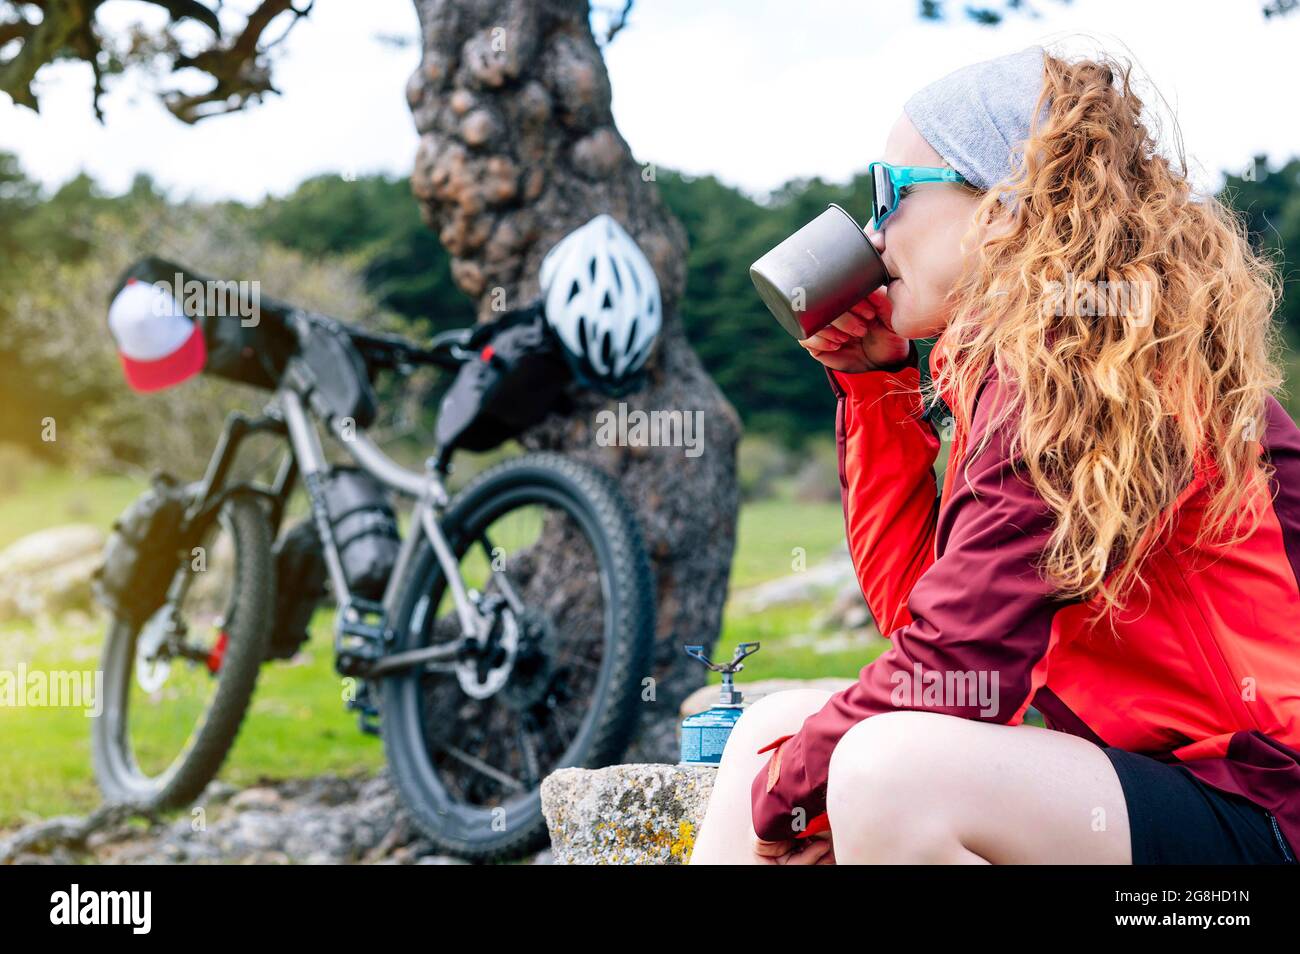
(425,489)
(363,633)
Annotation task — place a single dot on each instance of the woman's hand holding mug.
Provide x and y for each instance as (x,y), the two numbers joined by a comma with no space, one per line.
(859,340)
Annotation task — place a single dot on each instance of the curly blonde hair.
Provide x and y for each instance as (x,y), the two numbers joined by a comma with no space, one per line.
(1131,323)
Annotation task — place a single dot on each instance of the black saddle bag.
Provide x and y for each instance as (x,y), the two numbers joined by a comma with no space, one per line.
(142,553)
(519,377)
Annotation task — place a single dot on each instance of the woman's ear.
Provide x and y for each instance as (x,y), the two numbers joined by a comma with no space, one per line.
(993,222)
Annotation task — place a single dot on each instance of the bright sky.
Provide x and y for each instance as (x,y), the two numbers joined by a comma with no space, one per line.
(754,91)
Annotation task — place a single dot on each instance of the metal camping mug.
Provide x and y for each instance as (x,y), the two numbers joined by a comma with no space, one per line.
(818,273)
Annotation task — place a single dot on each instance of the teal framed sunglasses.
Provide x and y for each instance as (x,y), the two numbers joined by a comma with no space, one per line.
(890,184)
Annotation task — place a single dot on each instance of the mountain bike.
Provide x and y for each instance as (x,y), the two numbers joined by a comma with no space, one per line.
(509,637)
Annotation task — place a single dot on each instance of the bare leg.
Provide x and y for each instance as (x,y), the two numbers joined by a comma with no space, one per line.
(919,787)
(727,834)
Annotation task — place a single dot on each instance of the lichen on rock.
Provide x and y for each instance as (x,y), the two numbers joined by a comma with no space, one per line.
(646,814)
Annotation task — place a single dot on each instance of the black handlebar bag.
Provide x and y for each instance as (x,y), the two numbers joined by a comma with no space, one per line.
(250,354)
(517,378)
(251,348)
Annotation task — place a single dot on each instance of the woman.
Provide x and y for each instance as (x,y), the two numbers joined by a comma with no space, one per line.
(1117,539)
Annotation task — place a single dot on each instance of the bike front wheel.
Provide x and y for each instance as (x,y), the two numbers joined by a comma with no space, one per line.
(553,557)
(177,687)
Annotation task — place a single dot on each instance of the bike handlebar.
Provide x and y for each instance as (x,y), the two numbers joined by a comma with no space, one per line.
(381,350)
(394,352)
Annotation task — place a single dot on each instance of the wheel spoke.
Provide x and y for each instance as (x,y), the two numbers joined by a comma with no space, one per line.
(483,768)
(499,576)
(558,717)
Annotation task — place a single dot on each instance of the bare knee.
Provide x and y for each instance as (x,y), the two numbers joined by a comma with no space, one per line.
(881,759)
(769,718)
(886,790)
(727,834)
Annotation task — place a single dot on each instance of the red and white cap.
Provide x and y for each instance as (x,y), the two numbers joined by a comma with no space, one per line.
(158,343)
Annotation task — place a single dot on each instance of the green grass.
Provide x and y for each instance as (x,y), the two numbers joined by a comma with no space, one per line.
(790,647)
(771,532)
(46,751)
(48,498)
(298,725)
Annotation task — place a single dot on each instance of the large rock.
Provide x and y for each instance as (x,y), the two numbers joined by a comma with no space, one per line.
(49,571)
(626,814)
(643,814)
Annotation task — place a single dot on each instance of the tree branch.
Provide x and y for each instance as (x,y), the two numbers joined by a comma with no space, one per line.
(616,23)
(241,70)
(239,67)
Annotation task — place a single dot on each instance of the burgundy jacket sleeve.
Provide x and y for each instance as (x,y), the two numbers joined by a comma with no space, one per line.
(978,630)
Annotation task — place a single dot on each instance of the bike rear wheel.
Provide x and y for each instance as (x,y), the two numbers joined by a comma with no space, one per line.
(468,748)
(174,702)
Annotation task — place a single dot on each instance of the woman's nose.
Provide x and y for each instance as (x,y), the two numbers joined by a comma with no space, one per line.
(876,237)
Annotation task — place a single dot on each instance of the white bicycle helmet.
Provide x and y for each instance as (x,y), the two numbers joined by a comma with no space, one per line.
(601,299)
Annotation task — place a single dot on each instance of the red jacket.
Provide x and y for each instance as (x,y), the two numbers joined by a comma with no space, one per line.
(1204,669)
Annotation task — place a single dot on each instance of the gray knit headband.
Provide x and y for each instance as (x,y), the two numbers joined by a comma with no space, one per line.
(979,117)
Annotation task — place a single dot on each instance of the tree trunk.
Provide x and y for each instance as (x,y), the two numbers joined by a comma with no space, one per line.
(518,147)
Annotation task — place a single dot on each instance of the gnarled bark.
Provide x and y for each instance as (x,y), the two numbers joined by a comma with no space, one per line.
(517,147)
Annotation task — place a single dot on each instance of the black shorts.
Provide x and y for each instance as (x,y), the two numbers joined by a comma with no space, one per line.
(1175,819)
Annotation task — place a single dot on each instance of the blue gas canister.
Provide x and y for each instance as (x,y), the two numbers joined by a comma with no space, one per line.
(704,735)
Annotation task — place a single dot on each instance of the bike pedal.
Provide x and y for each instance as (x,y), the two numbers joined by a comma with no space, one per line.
(367,723)
(361,635)
(367,715)
(366,710)
(364,619)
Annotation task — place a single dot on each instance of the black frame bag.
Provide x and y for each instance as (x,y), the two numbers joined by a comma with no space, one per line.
(341,385)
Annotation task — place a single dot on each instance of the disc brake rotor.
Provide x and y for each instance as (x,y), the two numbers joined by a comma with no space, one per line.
(151,671)
(482,675)
(532,679)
